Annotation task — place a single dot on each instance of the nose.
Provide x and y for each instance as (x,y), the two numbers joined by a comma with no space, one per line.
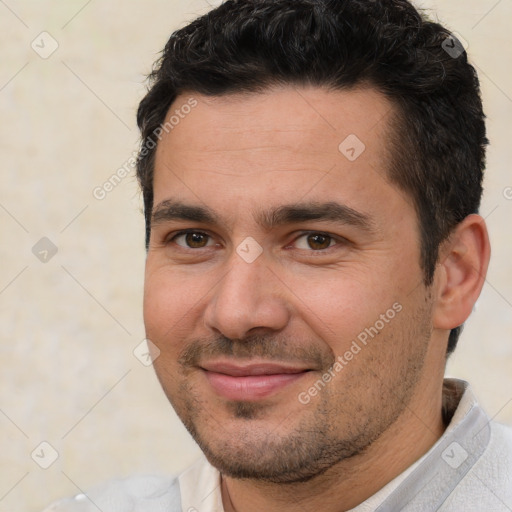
(248,298)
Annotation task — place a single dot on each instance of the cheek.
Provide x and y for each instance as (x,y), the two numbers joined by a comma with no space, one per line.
(169,301)
(340,304)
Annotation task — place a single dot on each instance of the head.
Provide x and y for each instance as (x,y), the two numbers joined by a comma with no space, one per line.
(240,98)
(438,154)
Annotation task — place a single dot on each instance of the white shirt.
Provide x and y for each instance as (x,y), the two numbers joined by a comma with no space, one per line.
(469,469)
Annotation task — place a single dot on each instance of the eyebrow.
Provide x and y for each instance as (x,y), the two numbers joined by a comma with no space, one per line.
(294,213)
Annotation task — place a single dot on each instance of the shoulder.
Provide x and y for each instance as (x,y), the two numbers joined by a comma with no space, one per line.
(502,433)
(488,484)
(498,455)
(148,493)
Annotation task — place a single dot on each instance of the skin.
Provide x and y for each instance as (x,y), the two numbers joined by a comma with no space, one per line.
(303,300)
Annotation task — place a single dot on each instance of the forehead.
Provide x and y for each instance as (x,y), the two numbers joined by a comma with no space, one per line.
(277,146)
(300,115)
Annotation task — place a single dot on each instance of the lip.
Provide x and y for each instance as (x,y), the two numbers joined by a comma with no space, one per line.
(252,381)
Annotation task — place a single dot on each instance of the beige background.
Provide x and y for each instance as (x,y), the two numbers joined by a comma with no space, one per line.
(69,326)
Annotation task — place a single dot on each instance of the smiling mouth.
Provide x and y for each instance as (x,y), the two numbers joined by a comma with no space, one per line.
(250,382)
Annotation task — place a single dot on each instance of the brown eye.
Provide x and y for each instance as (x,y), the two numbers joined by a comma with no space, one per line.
(192,239)
(319,242)
(196,240)
(314,241)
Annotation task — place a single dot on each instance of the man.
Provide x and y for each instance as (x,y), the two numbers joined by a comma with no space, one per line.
(311,173)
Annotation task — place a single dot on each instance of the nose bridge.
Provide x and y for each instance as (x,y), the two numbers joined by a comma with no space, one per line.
(247,297)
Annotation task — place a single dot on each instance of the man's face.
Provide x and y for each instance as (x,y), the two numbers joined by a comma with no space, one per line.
(292,320)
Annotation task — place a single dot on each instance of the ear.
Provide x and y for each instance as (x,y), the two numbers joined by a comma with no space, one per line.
(460,275)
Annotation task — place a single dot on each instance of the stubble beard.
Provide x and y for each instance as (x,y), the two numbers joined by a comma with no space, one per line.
(337,426)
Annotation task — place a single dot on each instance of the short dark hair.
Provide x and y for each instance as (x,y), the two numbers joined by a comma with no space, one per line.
(438,140)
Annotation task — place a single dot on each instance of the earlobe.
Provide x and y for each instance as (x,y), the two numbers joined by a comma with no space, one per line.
(461,272)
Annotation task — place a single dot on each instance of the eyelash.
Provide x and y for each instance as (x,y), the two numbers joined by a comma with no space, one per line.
(339,240)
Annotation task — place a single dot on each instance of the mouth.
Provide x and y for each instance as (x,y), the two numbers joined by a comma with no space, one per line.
(251,381)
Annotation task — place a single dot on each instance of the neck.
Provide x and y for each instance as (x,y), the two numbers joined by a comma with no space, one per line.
(352,480)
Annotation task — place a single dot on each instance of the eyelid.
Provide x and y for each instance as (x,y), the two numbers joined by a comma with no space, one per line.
(172,236)
(338,239)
